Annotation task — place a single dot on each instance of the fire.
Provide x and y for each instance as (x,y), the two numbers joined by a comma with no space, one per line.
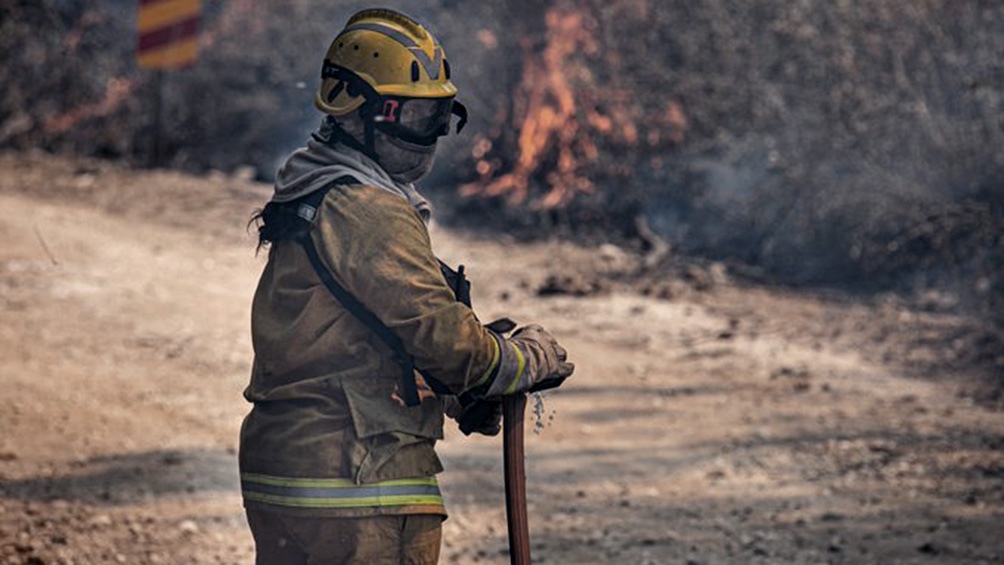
(549,122)
(560,115)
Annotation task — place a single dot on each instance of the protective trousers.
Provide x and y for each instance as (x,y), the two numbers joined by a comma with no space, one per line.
(411,539)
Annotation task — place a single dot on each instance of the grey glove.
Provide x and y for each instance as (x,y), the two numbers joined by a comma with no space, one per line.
(530,359)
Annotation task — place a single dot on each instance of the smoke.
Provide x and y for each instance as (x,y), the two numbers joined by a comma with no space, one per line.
(830,145)
(823,142)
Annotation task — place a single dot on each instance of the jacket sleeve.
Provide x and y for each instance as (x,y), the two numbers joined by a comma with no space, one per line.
(376,245)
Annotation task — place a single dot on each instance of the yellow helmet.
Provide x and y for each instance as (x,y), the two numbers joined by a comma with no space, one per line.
(392,53)
(394,72)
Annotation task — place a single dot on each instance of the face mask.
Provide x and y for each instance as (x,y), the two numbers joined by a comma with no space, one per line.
(405,162)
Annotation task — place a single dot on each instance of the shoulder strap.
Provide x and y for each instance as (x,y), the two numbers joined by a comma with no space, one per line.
(307,210)
(409,388)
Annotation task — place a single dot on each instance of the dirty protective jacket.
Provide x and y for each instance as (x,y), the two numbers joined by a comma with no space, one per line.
(329,434)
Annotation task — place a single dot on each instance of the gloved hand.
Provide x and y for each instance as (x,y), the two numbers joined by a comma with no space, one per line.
(483,416)
(530,360)
(546,360)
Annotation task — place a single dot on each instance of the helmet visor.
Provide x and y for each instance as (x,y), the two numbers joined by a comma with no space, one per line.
(420,120)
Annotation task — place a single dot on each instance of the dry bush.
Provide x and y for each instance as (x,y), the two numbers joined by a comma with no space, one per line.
(826,142)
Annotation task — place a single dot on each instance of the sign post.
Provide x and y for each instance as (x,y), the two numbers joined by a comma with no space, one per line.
(168,33)
(167,38)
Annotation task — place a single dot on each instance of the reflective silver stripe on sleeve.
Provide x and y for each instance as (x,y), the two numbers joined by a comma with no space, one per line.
(511,370)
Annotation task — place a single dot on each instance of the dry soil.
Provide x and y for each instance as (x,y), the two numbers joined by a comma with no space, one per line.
(708,421)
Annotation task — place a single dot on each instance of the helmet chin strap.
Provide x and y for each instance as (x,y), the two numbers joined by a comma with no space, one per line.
(369,135)
(355,86)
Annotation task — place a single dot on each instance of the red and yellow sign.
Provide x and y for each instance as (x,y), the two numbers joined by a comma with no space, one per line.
(168,33)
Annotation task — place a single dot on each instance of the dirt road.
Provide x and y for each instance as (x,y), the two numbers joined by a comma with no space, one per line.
(708,422)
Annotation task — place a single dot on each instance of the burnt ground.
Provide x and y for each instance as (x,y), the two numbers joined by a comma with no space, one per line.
(708,421)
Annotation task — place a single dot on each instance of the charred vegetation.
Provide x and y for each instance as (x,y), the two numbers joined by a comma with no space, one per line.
(839,144)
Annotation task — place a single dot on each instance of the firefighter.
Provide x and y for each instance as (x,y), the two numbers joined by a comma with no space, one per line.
(362,338)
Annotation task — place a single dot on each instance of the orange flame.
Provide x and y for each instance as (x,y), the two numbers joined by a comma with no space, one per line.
(549,124)
(559,118)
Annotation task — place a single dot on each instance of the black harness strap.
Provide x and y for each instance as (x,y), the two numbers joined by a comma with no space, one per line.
(408,385)
(307,209)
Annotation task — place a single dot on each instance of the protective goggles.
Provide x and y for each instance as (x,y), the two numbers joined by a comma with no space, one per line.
(415,120)
(418,120)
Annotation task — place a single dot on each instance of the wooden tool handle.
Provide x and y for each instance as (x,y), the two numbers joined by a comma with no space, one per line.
(513,409)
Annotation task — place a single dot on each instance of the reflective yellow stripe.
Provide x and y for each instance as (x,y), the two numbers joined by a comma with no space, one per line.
(332,483)
(496,355)
(379,502)
(520,367)
(340,493)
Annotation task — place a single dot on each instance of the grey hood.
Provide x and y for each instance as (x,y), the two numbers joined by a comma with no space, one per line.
(313,167)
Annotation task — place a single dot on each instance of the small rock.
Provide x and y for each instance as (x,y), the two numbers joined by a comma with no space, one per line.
(578,286)
(614,256)
(931,548)
(102,520)
(188,527)
(171,458)
(25,543)
(715,474)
